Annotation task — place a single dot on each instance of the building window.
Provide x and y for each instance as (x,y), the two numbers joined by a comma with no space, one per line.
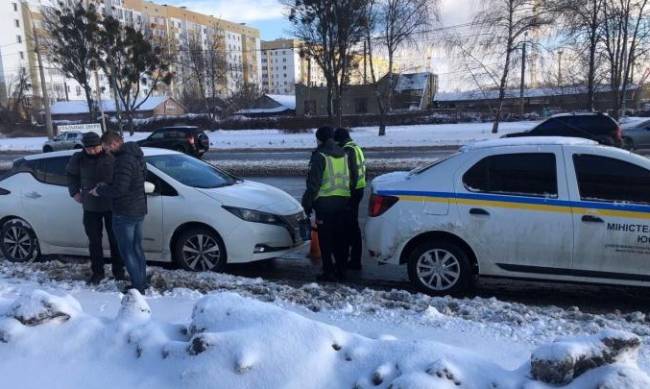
(19,39)
(15,7)
(78,91)
(17,23)
(284,67)
(22,55)
(361,105)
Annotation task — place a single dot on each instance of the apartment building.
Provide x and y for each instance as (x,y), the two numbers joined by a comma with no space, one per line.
(170,26)
(283,67)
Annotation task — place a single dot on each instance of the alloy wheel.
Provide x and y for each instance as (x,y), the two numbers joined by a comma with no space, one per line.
(18,243)
(438,269)
(201,252)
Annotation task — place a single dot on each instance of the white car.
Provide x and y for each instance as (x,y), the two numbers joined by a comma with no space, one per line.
(562,209)
(199,217)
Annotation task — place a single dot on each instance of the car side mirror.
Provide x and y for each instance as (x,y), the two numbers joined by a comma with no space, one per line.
(149,188)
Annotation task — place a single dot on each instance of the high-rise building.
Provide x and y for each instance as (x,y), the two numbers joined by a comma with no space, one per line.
(172,28)
(283,67)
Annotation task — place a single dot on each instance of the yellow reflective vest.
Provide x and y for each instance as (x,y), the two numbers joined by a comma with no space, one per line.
(336,177)
(361,164)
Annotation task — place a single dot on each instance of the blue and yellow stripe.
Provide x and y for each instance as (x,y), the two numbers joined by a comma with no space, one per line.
(541,204)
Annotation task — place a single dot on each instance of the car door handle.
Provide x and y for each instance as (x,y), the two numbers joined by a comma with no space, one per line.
(592,219)
(479,212)
(33,195)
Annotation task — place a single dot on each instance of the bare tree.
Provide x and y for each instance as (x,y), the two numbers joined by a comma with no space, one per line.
(330,30)
(581,24)
(626,31)
(71,44)
(397,23)
(208,65)
(502,27)
(134,66)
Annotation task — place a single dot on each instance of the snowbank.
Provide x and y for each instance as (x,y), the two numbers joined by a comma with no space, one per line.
(235,342)
(397,136)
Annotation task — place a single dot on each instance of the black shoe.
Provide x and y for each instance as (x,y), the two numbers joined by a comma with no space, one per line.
(326,277)
(126,289)
(95,279)
(354,266)
(341,276)
(119,276)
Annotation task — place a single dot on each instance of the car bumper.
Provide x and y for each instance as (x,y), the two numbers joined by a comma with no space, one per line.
(251,242)
(381,240)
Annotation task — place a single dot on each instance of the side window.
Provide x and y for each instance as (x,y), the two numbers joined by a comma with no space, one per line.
(162,187)
(70,136)
(52,171)
(547,125)
(525,174)
(158,135)
(608,179)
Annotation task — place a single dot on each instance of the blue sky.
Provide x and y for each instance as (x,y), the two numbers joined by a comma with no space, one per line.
(266,15)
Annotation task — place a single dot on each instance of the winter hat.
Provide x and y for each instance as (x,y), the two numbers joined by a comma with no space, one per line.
(324,133)
(341,135)
(91,139)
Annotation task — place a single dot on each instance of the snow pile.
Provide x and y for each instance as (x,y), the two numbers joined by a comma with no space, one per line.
(396,136)
(236,342)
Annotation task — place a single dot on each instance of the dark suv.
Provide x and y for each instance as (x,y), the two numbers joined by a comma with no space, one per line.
(596,126)
(185,139)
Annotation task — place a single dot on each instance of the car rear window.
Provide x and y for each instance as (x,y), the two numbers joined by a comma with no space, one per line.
(611,180)
(577,125)
(522,174)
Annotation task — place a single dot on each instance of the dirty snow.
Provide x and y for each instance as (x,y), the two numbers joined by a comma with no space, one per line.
(499,331)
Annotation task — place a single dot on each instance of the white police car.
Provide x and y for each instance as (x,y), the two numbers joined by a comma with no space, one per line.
(543,208)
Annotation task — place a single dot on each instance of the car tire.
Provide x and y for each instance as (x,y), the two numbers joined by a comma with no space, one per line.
(47,149)
(440,268)
(18,241)
(200,249)
(628,143)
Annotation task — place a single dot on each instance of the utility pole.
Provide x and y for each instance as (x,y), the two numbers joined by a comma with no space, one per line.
(46,100)
(365,68)
(99,102)
(523,76)
(559,68)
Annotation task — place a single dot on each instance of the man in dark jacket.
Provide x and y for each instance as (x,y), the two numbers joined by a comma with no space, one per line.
(329,182)
(357,162)
(85,170)
(129,202)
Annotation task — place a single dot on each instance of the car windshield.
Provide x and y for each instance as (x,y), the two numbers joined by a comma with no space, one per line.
(424,168)
(190,171)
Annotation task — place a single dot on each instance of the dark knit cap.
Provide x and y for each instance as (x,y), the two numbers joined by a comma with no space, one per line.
(91,139)
(341,135)
(324,133)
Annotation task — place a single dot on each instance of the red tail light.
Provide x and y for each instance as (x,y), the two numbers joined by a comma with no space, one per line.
(379,204)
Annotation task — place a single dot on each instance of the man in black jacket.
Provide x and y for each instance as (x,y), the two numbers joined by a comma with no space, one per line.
(129,204)
(329,182)
(357,161)
(85,170)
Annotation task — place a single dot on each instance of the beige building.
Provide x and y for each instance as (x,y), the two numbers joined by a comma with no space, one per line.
(172,26)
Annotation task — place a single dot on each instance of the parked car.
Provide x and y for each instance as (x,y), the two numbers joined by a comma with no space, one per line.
(199,217)
(637,136)
(596,126)
(65,141)
(184,139)
(547,208)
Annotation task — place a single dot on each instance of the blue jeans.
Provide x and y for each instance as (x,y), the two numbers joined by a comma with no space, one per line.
(128,233)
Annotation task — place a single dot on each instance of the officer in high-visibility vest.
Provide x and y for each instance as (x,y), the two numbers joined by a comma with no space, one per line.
(329,184)
(357,161)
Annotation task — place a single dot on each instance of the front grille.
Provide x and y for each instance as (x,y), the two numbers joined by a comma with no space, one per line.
(297,225)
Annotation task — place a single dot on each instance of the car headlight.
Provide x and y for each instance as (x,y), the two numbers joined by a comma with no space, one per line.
(253,216)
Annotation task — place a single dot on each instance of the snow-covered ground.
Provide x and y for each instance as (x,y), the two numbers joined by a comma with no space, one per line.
(254,333)
(397,136)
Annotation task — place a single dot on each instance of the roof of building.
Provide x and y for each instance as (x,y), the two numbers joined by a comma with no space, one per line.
(80,106)
(412,81)
(493,94)
(283,103)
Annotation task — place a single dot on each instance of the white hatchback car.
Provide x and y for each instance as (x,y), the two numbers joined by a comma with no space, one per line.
(560,209)
(199,217)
